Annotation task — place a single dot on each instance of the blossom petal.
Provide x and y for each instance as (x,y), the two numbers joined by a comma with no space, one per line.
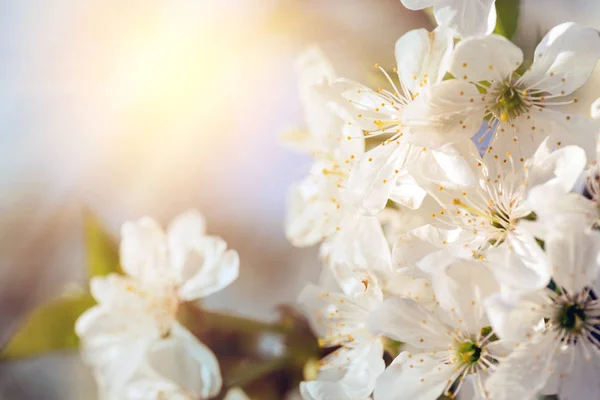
(564,59)
(151,387)
(115,353)
(324,126)
(525,371)
(461,288)
(488,58)
(413,376)
(550,203)
(566,129)
(447,166)
(122,310)
(411,284)
(407,191)
(373,179)
(409,322)
(327,122)
(521,265)
(236,394)
(595,110)
(311,215)
(298,228)
(564,166)
(363,106)
(186,228)
(467,17)
(354,381)
(573,253)
(208,269)
(184,360)
(580,377)
(313,69)
(184,232)
(443,114)
(413,248)
(143,250)
(418,4)
(423,57)
(116,334)
(326,309)
(359,244)
(515,318)
(453,161)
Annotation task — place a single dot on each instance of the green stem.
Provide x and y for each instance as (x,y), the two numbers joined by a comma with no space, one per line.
(216,319)
(249,373)
(300,345)
(201,319)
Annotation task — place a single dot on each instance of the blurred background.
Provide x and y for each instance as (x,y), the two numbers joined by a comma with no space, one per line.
(131,108)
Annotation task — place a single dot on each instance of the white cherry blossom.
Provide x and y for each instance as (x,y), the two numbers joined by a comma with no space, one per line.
(338,316)
(491,211)
(146,385)
(551,204)
(465,17)
(450,343)
(520,111)
(236,394)
(472,177)
(558,328)
(393,169)
(132,336)
(326,132)
(316,206)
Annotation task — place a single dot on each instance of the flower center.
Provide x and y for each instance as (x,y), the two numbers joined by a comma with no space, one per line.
(508,101)
(571,317)
(500,219)
(163,305)
(468,352)
(592,184)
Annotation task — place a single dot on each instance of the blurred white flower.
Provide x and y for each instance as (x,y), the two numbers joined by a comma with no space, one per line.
(316,209)
(326,133)
(236,394)
(132,338)
(147,385)
(465,17)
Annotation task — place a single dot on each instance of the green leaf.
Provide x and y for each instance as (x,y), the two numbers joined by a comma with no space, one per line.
(508,17)
(49,327)
(102,252)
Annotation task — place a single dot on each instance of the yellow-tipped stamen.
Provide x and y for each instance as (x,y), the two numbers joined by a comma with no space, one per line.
(476,212)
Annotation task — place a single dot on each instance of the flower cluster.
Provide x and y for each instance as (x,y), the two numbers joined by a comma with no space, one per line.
(131,338)
(455,231)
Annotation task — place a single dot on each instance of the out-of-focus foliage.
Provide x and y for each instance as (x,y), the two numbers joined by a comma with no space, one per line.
(102,253)
(48,328)
(235,340)
(508,17)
